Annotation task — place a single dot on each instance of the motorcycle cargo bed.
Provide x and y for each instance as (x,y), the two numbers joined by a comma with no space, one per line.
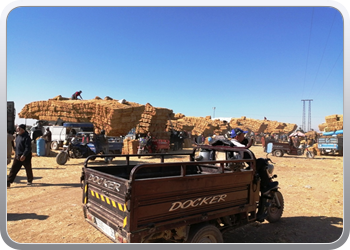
(132,200)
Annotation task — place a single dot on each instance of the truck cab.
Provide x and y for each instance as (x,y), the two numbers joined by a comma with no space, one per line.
(61,133)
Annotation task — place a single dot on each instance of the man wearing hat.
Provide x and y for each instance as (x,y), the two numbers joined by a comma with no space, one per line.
(23,156)
(238,137)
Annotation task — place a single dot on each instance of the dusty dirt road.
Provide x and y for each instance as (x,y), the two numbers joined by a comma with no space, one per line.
(50,211)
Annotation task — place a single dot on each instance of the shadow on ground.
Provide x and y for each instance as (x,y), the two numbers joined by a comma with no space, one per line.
(25,216)
(289,230)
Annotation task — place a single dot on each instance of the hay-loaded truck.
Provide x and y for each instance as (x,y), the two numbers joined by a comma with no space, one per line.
(190,201)
(331,143)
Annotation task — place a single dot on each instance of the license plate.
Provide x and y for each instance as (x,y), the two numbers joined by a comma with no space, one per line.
(105,228)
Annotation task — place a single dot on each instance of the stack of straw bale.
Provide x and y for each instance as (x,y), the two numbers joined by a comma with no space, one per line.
(333,123)
(206,126)
(130,146)
(154,120)
(118,118)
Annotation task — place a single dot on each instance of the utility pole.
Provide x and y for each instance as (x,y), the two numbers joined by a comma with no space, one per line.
(213,112)
(309,118)
(309,115)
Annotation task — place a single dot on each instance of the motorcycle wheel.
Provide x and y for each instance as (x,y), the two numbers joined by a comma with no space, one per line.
(274,212)
(62,158)
(204,233)
(278,153)
(310,155)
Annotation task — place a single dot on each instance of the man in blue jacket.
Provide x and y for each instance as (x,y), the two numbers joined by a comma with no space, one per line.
(23,156)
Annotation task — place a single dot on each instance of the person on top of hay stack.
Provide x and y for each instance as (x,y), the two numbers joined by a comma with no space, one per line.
(76,94)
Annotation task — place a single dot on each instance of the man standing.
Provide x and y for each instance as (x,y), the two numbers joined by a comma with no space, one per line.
(47,136)
(23,156)
(263,143)
(10,146)
(296,141)
(102,142)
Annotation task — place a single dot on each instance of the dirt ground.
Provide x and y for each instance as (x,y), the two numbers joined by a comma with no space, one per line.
(50,211)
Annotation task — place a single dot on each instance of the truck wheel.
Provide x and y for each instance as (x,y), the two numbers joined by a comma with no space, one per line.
(54,145)
(205,234)
(62,158)
(274,212)
(278,153)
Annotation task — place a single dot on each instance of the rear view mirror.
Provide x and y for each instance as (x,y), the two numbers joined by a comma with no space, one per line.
(269,147)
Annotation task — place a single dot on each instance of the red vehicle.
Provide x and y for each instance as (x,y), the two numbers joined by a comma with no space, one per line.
(157,146)
(160,146)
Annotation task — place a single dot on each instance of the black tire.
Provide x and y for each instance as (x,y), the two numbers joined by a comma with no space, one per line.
(278,153)
(62,158)
(274,212)
(205,233)
(54,145)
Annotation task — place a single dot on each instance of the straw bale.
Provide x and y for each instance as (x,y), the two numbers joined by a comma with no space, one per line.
(331,118)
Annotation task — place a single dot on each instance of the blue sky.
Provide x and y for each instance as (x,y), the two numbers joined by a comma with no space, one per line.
(244,61)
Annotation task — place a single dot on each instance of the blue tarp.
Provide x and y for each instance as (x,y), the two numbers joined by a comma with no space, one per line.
(333,133)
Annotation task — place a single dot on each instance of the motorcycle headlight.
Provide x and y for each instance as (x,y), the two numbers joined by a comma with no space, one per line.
(65,142)
(270,169)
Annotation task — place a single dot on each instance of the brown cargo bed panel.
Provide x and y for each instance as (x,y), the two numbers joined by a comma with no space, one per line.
(182,185)
(166,211)
(173,198)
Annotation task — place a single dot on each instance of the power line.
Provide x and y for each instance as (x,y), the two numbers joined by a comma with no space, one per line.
(324,49)
(319,89)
